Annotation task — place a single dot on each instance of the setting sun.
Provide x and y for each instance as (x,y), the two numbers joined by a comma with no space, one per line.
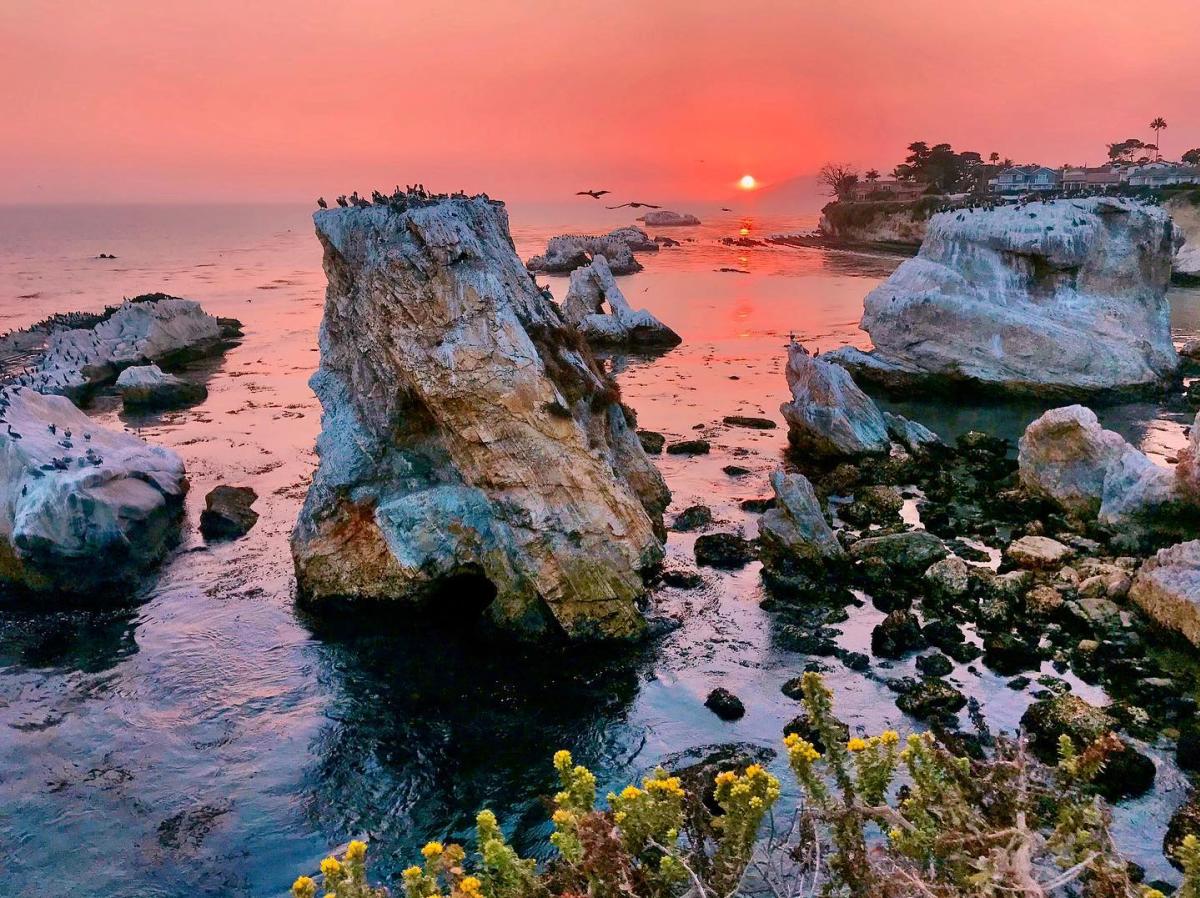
(747,182)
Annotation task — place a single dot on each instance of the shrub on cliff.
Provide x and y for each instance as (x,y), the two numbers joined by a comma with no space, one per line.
(881,817)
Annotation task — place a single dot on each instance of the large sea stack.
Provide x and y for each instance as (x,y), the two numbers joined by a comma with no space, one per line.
(472,452)
(1053,299)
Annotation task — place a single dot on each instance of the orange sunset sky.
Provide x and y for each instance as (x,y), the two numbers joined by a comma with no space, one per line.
(164,100)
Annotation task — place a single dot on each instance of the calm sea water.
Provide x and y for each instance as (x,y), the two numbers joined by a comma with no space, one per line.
(208,739)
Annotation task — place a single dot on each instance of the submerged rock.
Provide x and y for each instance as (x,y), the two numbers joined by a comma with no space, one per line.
(471,448)
(82,509)
(725,704)
(151,330)
(567,252)
(1047,298)
(1167,588)
(829,416)
(1065,456)
(148,386)
(723,550)
(591,287)
(228,513)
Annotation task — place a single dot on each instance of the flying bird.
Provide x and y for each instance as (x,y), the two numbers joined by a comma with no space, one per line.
(634,206)
(594,194)
(726,209)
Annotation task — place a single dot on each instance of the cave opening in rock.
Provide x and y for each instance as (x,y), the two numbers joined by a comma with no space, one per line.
(461,598)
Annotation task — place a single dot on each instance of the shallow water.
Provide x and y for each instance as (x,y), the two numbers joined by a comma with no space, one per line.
(210,739)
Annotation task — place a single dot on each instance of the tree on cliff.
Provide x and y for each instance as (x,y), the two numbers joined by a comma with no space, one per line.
(939,166)
(1157,126)
(1126,150)
(872,175)
(839,177)
(1191,157)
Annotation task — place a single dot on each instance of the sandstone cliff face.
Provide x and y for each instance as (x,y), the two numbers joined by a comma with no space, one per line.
(1185,213)
(83,510)
(902,223)
(468,434)
(1060,298)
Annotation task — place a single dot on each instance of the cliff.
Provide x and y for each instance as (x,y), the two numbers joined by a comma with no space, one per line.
(1059,298)
(472,453)
(879,221)
(1184,209)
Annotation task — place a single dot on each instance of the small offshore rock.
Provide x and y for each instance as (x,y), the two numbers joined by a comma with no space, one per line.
(795,529)
(828,415)
(149,387)
(1184,822)
(948,579)
(753,423)
(736,470)
(934,665)
(912,551)
(803,727)
(725,704)
(1167,589)
(898,634)
(682,579)
(692,518)
(723,550)
(227,513)
(651,441)
(689,447)
(931,698)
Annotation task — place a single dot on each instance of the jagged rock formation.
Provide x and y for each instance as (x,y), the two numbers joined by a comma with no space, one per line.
(794,530)
(567,252)
(591,287)
(1067,457)
(1057,298)
(153,329)
(912,435)
(665,218)
(829,416)
(1184,210)
(470,445)
(1167,588)
(148,386)
(83,510)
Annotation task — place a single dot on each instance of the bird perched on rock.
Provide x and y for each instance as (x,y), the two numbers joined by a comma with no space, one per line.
(321,203)
(341,201)
(594,194)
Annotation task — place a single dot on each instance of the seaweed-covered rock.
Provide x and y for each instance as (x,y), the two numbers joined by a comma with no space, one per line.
(931,698)
(228,512)
(912,551)
(723,550)
(898,634)
(725,704)
(692,518)
(471,449)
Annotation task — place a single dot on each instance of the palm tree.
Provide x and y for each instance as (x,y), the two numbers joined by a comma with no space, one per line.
(994,158)
(872,175)
(1159,124)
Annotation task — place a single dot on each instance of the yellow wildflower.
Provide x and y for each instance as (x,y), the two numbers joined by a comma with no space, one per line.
(330,895)
(470,885)
(304,887)
(894,833)
(727,776)
(562,818)
(331,867)
(754,770)
(562,759)
(630,792)
(856,744)
(1152,893)
(889,737)
(356,850)
(432,850)
(412,872)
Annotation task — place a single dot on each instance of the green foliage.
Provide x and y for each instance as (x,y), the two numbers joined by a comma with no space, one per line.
(938,166)
(1191,157)
(845,216)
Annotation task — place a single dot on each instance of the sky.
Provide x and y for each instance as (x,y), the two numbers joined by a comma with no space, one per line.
(281,100)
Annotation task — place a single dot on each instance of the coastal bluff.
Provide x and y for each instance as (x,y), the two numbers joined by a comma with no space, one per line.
(472,454)
(1053,299)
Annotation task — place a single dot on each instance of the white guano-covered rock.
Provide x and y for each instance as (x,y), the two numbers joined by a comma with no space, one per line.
(470,444)
(590,289)
(152,331)
(1167,588)
(1056,298)
(567,252)
(665,218)
(148,386)
(83,510)
(1067,457)
(829,416)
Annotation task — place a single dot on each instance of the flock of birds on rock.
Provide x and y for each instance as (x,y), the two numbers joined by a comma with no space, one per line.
(413,196)
(56,463)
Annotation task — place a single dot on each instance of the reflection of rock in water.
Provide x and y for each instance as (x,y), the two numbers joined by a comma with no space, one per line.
(429,726)
(86,640)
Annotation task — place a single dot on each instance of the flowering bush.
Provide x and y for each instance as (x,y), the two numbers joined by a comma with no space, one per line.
(882,817)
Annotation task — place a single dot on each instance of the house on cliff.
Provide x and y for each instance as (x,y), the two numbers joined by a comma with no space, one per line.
(1026,178)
